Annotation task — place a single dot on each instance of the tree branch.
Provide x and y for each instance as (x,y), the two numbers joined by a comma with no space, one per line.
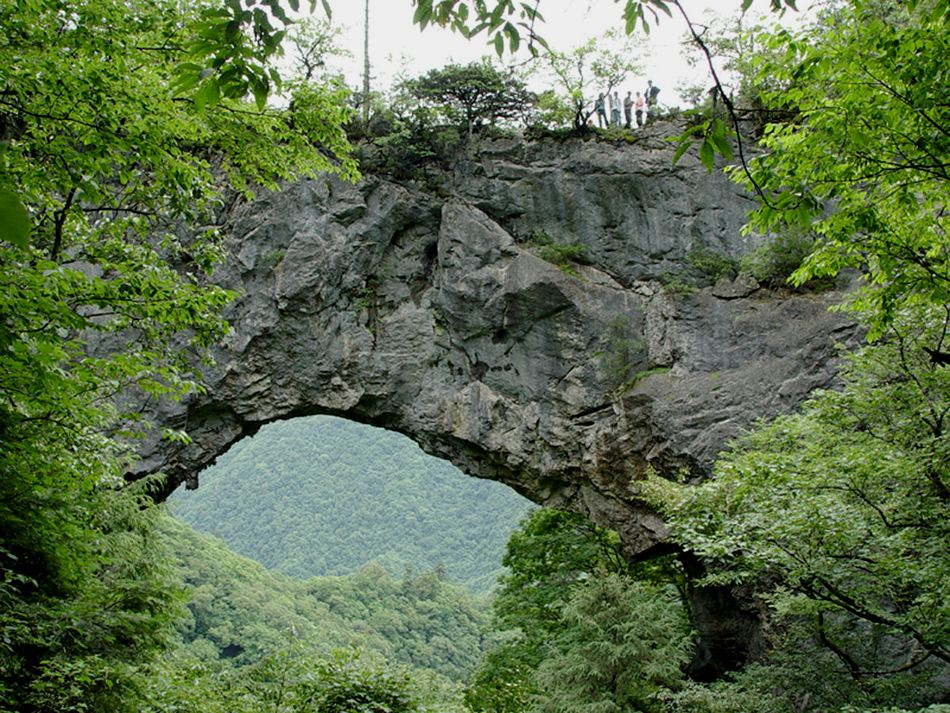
(727,102)
(58,223)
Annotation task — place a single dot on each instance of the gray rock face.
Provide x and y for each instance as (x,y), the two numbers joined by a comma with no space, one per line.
(428,311)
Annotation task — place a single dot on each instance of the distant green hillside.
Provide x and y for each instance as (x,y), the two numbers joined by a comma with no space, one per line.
(320,495)
(239,611)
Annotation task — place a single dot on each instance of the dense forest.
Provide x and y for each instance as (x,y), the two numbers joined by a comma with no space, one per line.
(321,495)
(239,613)
(122,122)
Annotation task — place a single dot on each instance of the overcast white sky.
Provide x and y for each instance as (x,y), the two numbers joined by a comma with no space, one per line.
(399,47)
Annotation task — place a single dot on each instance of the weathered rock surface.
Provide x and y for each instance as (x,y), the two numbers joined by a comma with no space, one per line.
(427,310)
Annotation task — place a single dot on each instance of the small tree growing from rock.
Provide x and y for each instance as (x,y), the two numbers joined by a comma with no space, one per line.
(473,95)
(578,75)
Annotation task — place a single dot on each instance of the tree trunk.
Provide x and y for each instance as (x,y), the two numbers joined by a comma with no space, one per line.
(728,624)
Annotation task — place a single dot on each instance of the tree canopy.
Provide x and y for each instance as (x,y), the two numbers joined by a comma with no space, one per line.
(256,640)
(124,130)
(840,515)
(477,93)
(562,615)
(864,163)
(581,73)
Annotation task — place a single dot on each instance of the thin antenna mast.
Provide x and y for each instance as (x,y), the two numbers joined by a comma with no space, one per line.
(366,65)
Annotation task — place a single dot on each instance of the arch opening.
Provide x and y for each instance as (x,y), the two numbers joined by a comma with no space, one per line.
(322,495)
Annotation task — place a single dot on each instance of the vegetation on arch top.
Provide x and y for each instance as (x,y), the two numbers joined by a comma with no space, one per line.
(855,109)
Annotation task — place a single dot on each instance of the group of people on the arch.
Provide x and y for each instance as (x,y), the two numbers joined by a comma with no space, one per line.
(641,108)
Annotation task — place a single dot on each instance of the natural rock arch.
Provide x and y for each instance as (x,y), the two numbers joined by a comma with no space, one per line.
(422,307)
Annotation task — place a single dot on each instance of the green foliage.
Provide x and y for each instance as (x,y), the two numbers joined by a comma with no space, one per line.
(637,376)
(293,679)
(273,258)
(15,220)
(505,20)
(711,264)
(552,111)
(800,674)
(124,149)
(550,558)
(474,95)
(578,75)
(107,163)
(563,255)
(863,166)
(228,50)
(624,352)
(412,139)
(81,614)
(344,686)
(843,508)
(551,553)
(325,496)
(715,139)
(239,612)
(776,260)
(676,283)
(85,599)
(314,43)
(502,22)
(621,644)
(735,46)
(706,266)
(504,681)
(617,134)
(256,641)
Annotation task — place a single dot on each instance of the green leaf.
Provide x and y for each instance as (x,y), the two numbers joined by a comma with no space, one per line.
(423,13)
(514,39)
(684,144)
(717,135)
(707,153)
(208,94)
(15,220)
(260,90)
(185,81)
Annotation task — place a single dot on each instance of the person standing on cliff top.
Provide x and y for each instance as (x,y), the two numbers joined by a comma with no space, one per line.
(601,112)
(651,94)
(639,105)
(615,109)
(627,111)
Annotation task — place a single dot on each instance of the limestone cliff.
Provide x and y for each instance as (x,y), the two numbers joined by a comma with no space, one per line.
(426,309)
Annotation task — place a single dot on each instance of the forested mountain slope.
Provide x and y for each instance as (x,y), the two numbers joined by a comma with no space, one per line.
(320,495)
(239,612)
